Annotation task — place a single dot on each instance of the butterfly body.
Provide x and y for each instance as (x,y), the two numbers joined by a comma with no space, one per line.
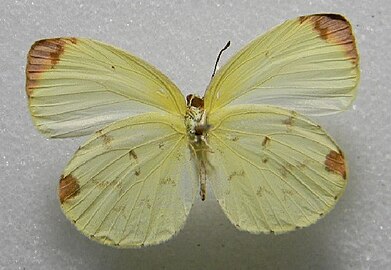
(134,181)
(197,128)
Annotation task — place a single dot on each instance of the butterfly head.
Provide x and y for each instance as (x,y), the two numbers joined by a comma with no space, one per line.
(194,101)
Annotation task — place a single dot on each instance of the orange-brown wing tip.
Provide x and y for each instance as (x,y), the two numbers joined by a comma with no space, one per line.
(43,55)
(69,187)
(334,28)
(335,162)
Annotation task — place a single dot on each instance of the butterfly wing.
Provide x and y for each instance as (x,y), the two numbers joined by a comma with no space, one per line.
(132,183)
(76,86)
(272,170)
(309,64)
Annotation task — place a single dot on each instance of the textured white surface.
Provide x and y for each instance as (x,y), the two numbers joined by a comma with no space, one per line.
(182,38)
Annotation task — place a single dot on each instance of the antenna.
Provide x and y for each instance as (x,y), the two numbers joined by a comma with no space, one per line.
(218,57)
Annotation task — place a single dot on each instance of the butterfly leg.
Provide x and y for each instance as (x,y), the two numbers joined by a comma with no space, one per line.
(202,180)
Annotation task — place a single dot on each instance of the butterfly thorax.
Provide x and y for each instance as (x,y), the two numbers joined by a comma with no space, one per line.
(195,120)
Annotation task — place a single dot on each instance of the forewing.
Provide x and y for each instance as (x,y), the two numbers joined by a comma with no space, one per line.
(309,64)
(76,86)
(271,169)
(133,183)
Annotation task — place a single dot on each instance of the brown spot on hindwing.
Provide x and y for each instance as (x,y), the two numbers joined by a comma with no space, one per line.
(132,154)
(234,174)
(167,181)
(265,141)
(69,188)
(335,162)
(288,121)
(43,55)
(134,160)
(334,28)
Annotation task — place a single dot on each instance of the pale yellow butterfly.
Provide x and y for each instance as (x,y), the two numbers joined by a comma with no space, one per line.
(134,181)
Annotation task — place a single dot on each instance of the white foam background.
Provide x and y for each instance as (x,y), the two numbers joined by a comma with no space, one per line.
(182,39)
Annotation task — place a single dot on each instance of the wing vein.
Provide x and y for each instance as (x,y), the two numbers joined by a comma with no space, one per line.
(138,195)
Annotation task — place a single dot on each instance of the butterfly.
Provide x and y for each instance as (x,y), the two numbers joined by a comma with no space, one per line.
(133,182)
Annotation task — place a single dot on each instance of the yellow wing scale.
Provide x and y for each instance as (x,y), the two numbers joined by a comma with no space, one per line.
(131,184)
(76,86)
(309,64)
(134,181)
(271,169)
